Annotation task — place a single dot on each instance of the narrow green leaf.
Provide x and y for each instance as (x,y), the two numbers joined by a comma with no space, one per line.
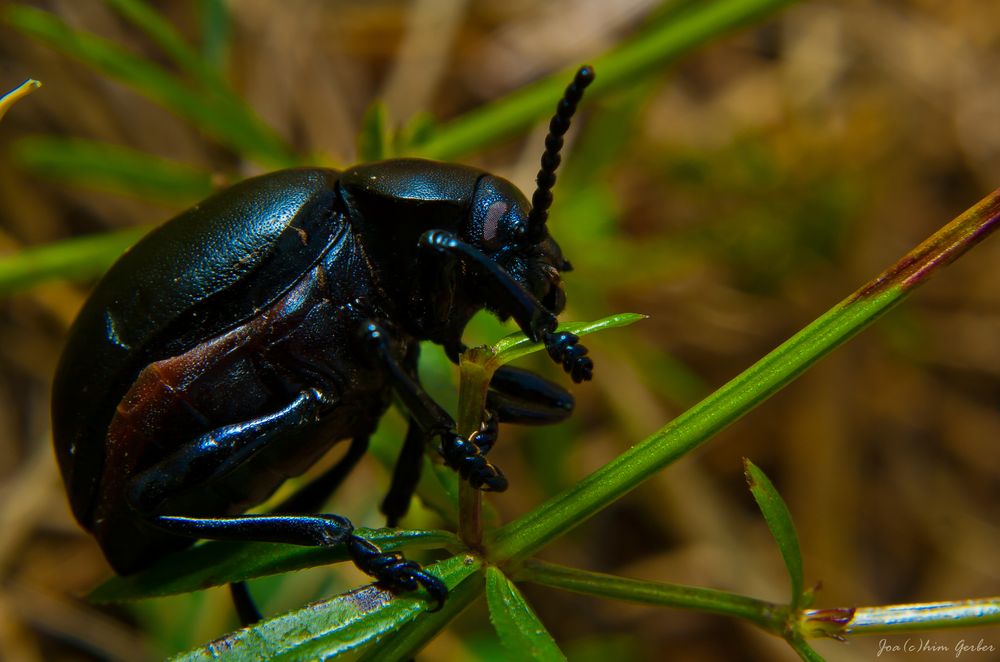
(216,563)
(517,344)
(112,168)
(231,123)
(524,636)
(350,624)
(406,642)
(18,93)
(767,615)
(86,257)
(374,142)
(779,521)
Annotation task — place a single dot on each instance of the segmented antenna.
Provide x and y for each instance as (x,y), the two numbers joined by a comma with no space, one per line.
(541,200)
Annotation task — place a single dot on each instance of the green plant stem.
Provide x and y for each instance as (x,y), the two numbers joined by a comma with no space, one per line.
(18,93)
(767,615)
(474,381)
(523,536)
(900,618)
(618,68)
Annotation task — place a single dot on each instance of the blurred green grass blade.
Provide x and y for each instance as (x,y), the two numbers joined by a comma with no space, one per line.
(87,257)
(520,630)
(415,132)
(113,168)
(517,344)
(406,642)
(350,624)
(162,32)
(779,521)
(215,32)
(523,536)
(616,69)
(374,141)
(232,124)
(18,93)
(215,563)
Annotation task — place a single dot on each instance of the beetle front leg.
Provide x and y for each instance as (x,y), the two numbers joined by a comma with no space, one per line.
(462,455)
(507,295)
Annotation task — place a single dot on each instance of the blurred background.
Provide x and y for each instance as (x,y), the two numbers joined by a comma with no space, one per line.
(732,196)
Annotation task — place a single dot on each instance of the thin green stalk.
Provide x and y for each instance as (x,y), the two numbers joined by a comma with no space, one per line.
(894,619)
(616,69)
(522,537)
(18,93)
(767,615)
(473,384)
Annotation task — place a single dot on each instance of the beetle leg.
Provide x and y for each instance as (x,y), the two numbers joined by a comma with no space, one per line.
(507,295)
(246,610)
(405,475)
(388,568)
(308,499)
(212,453)
(462,455)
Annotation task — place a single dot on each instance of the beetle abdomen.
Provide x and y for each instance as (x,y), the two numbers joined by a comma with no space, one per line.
(198,274)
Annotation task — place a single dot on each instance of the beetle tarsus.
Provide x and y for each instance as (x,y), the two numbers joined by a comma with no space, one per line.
(489,430)
(565,348)
(393,571)
(465,457)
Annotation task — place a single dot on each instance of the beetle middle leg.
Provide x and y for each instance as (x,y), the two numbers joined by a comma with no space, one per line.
(405,475)
(462,455)
(211,455)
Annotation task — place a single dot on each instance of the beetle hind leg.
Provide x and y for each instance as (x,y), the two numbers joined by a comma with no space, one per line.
(206,456)
(390,569)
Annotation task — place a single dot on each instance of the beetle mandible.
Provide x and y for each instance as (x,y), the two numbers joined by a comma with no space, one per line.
(232,346)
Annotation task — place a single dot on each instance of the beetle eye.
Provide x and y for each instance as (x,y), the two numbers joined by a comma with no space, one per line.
(491,225)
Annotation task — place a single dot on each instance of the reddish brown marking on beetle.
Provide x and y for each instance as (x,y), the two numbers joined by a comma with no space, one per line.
(303,236)
(940,249)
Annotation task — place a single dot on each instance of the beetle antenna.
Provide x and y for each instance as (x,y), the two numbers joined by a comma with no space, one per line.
(542,198)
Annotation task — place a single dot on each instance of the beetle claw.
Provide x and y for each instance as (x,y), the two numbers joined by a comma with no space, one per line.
(465,457)
(393,571)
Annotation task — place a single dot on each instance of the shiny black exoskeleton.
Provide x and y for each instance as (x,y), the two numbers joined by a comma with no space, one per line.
(232,346)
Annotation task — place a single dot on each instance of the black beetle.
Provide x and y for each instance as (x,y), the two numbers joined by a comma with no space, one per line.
(227,350)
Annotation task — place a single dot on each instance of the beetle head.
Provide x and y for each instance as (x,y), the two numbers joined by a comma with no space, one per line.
(499,227)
